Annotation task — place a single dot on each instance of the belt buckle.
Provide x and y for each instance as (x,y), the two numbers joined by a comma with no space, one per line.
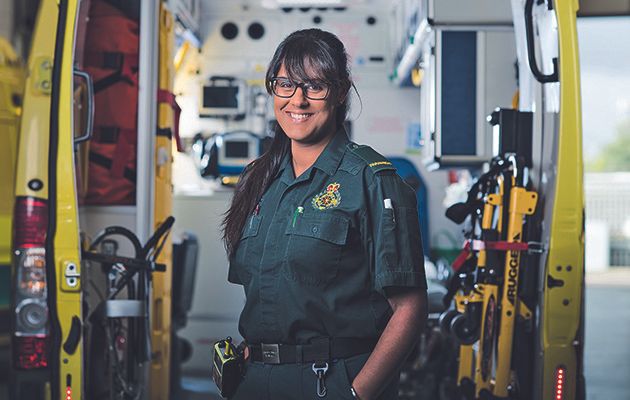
(270,353)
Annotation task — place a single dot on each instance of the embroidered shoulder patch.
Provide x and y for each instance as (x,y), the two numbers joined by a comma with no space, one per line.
(329,198)
(374,160)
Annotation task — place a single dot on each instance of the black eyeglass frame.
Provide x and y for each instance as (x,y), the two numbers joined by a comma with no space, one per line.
(297,85)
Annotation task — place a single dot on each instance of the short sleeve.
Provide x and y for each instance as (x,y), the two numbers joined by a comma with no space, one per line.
(396,254)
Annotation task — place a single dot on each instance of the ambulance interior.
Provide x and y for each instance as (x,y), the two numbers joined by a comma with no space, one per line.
(443,88)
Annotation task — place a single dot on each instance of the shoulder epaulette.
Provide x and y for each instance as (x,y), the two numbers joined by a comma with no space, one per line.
(374,160)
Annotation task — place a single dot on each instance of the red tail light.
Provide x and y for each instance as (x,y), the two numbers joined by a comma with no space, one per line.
(30,338)
(31,352)
(30,222)
(561,377)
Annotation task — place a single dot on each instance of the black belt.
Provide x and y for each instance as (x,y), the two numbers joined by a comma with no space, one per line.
(320,349)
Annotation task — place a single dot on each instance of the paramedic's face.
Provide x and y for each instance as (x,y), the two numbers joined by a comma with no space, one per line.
(304,120)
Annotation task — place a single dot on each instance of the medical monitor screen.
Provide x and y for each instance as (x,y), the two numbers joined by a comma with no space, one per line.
(220,97)
(234,149)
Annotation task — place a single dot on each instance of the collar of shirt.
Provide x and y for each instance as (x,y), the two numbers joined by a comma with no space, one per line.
(328,161)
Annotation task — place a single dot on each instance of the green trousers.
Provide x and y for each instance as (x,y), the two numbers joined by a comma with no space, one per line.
(299,382)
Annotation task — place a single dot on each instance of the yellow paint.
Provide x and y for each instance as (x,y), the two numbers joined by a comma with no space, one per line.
(67,250)
(32,154)
(42,75)
(32,163)
(561,319)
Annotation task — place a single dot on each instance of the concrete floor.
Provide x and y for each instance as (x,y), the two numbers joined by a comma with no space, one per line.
(607,351)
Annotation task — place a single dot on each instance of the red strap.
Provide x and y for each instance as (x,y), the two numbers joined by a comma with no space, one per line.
(461,258)
(476,245)
(164,96)
(500,245)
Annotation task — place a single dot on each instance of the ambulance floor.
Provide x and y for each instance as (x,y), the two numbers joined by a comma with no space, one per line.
(606,355)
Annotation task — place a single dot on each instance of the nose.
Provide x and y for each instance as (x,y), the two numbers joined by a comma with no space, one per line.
(299,99)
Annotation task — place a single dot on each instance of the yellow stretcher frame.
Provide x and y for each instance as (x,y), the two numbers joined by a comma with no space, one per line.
(492,203)
(466,352)
(471,356)
(521,202)
(496,377)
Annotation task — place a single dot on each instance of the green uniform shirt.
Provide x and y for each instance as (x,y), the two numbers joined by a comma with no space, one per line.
(317,253)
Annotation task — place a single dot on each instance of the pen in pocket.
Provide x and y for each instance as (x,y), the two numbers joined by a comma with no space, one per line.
(387,203)
(298,210)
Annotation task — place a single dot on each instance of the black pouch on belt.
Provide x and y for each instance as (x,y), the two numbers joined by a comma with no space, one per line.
(227,366)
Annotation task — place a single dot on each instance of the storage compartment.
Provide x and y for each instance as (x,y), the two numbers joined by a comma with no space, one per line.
(466,81)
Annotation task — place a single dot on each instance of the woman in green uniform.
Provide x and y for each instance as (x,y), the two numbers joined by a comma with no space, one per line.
(324,237)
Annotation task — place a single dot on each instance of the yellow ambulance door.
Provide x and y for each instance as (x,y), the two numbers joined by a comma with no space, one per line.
(46,339)
(563,306)
(71,114)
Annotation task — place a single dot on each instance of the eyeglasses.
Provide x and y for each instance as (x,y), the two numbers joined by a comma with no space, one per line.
(285,88)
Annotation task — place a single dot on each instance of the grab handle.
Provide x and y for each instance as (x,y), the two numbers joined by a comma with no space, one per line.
(87,135)
(531,53)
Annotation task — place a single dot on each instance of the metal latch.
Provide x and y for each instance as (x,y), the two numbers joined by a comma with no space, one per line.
(72,275)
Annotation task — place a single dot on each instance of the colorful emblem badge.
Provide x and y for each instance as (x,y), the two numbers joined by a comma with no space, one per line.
(329,198)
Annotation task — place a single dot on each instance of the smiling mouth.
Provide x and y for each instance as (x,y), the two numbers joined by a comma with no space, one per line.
(299,117)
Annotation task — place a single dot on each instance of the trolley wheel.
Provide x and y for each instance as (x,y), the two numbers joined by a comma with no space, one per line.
(467,389)
(464,330)
(445,321)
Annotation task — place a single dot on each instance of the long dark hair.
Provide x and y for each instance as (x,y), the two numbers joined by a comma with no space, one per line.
(323,54)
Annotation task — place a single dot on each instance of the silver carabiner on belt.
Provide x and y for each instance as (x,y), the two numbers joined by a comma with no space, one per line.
(320,370)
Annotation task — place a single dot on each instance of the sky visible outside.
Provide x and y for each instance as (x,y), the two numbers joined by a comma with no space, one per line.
(605,66)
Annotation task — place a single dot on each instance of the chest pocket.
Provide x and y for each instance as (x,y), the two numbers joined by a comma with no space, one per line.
(314,248)
(246,259)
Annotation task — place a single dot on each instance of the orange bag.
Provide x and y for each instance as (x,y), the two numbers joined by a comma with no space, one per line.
(111,58)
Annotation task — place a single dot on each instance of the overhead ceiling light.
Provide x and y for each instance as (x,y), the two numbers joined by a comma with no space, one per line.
(301,3)
(308,2)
